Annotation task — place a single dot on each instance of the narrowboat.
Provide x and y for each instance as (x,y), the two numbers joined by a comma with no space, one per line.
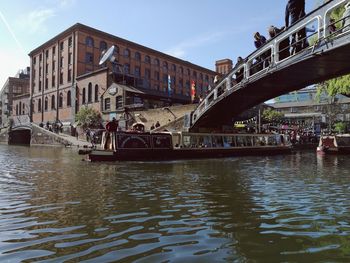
(148,146)
(334,144)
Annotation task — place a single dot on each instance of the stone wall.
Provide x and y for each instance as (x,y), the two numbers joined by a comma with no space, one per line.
(45,137)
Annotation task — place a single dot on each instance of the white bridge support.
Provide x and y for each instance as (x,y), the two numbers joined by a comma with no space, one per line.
(252,69)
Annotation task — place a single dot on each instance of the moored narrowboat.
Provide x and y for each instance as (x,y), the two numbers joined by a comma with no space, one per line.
(147,146)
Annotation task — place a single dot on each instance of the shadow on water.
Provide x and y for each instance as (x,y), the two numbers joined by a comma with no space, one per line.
(54,207)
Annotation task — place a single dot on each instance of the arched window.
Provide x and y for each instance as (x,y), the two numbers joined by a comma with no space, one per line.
(84,96)
(126,53)
(69,98)
(39,105)
(53,102)
(137,56)
(165,66)
(156,62)
(181,70)
(46,104)
(147,59)
(90,93)
(103,45)
(89,41)
(96,93)
(116,49)
(60,101)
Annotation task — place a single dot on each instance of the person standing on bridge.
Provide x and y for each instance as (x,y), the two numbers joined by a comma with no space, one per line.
(283,48)
(261,61)
(295,10)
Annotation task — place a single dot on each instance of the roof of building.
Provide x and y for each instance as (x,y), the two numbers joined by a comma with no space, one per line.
(79,26)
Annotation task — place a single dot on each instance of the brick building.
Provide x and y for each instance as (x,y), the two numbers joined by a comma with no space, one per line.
(13,88)
(66,74)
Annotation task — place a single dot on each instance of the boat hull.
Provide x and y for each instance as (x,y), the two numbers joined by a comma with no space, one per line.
(178,154)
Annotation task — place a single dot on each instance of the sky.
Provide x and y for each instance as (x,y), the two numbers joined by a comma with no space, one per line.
(199,31)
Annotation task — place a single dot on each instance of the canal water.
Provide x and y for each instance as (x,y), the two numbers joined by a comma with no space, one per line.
(56,208)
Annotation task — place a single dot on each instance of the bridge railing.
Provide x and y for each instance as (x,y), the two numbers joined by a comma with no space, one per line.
(306,33)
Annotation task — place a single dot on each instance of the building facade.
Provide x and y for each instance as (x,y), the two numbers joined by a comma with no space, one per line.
(14,87)
(66,74)
(304,109)
(223,66)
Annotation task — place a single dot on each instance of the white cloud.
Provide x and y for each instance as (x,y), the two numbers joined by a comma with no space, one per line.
(66,3)
(34,21)
(181,49)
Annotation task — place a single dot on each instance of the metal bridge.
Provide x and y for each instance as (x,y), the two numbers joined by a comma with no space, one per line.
(277,68)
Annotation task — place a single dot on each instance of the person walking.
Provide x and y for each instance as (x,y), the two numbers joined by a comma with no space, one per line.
(295,10)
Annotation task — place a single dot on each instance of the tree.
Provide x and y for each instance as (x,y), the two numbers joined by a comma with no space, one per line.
(271,115)
(340,85)
(340,127)
(88,118)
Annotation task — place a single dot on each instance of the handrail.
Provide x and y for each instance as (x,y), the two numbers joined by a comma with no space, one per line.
(320,16)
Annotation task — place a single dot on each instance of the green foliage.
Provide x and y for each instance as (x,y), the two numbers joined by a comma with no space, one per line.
(271,115)
(340,127)
(340,85)
(88,118)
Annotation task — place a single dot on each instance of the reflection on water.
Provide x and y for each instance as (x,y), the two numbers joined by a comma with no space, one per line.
(54,207)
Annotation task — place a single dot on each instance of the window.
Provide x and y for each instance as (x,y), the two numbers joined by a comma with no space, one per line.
(53,66)
(53,50)
(165,78)
(53,102)
(70,55)
(40,57)
(39,85)
(89,92)
(39,105)
(89,41)
(137,71)
(126,53)
(107,104)
(47,68)
(156,75)
(16,109)
(46,104)
(46,83)
(47,53)
(60,101)
(34,60)
(127,69)
(137,56)
(40,70)
(53,81)
(89,58)
(96,93)
(118,102)
(103,45)
(147,73)
(84,96)
(165,66)
(116,50)
(69,99)
(147,59)
(156,62)
(173,67)
(61,78)
(70,41)
(69,77)
(61,46)
(61,62)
